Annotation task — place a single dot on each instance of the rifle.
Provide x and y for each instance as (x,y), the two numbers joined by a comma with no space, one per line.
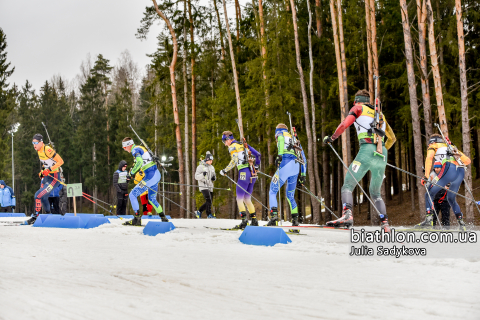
(297,148)
(154,158)
(247,153)
(376,124)
(449,147)
(50,143)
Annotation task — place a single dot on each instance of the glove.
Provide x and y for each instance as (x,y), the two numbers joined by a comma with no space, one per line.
(424,180)
(302,179)
(40,175)
(214,178)
(278,160)
(204,173)
(256,167)
(327,140)
(129,176)
(46,172)
(126,194)
(13,207)
(223,172)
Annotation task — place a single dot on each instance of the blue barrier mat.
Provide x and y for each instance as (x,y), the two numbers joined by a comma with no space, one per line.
(263,236)
(153,228)
(12,215)
(86,221)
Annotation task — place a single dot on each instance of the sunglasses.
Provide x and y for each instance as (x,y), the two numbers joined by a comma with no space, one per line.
(33,142)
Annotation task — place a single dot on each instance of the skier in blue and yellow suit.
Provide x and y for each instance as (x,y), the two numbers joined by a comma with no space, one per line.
(51,162)
(144,162)
(288,170)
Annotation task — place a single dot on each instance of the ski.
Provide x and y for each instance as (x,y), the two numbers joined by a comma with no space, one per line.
(315,227)
(224,229)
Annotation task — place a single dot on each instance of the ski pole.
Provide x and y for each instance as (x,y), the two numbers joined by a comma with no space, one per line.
(414,175)
(191,185)
(447,141)
(112,206)
(245,191)
(433,207)
(269,176)
(110,211)
(358,184)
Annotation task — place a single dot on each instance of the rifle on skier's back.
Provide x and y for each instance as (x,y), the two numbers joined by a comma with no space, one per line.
(297,147)
(154,157)
(247,153)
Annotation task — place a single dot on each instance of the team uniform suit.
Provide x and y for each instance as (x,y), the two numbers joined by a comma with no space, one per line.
(54,199)
(147,207)
(288,170)
(245,179)
(145,163)
(51,162)
(451,172)
(362,115)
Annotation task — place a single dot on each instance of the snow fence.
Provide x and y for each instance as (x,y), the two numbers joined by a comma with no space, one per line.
(70,221)
(12,215)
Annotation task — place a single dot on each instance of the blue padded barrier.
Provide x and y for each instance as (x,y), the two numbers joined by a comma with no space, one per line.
(153,217)
(121,216)
(85,216)
(153,228)
(57,221)
(12,215)
(263,236)
(94,222)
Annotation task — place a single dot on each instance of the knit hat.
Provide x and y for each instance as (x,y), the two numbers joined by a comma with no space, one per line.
(437,164)
(208,156)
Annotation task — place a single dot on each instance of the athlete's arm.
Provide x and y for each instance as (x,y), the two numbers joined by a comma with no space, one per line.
(232,163)
(390,135)
(137,154)
(465,160)
(354,113)
(58,162)
(280,144)
(256,154)
(303,167)
(429,159)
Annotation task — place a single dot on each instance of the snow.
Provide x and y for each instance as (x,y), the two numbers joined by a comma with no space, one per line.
(115,272)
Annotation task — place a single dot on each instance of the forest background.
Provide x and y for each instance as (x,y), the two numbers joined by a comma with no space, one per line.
(308,58)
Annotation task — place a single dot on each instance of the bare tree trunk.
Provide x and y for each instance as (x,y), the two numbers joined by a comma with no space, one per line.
(325,165)
(315,208)
(422,32)
(312,101)
(464,98)
(341,83)
(373,26)
(417,137)
(437,80)
(194,99)
(234,67)
(369,52)
(318,15)
(220,29)
(176,118)
(185,103)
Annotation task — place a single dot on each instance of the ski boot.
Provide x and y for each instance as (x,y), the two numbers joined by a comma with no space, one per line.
(253,216)
(149,214)
(136,221)
(295,222)
(461,223)
(346,220)
(211,216)
(198,214)
(427,223)
(384,223)
(244,222)
(32,219)
(273,218)
(163,217)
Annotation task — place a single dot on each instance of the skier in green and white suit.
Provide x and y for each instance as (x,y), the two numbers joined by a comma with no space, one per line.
(362,115)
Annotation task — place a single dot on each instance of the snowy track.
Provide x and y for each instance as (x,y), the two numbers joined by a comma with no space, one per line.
(115,272)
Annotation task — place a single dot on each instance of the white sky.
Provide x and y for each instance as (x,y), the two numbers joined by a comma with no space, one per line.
(52,37)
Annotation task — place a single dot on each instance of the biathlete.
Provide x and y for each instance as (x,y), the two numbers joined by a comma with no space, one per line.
(246,179)
(453,172)
(144,162)
(362,116)
(51,162)
(288,170)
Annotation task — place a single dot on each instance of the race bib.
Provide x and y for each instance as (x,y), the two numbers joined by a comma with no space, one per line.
(355,166)
(275,179)
(142,183)
(243,176)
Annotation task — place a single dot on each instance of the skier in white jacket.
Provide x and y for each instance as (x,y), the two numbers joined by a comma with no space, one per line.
(205,175)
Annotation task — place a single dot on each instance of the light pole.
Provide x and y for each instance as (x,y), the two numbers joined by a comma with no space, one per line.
(165,163)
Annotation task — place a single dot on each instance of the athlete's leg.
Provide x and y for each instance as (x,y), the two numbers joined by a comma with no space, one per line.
(140,188)
(152,184)
(454,186)
(445,176)
(248,198)
(293,170)
(41,196)
(378,172)
(358,168)
(243,182)
(279,178)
